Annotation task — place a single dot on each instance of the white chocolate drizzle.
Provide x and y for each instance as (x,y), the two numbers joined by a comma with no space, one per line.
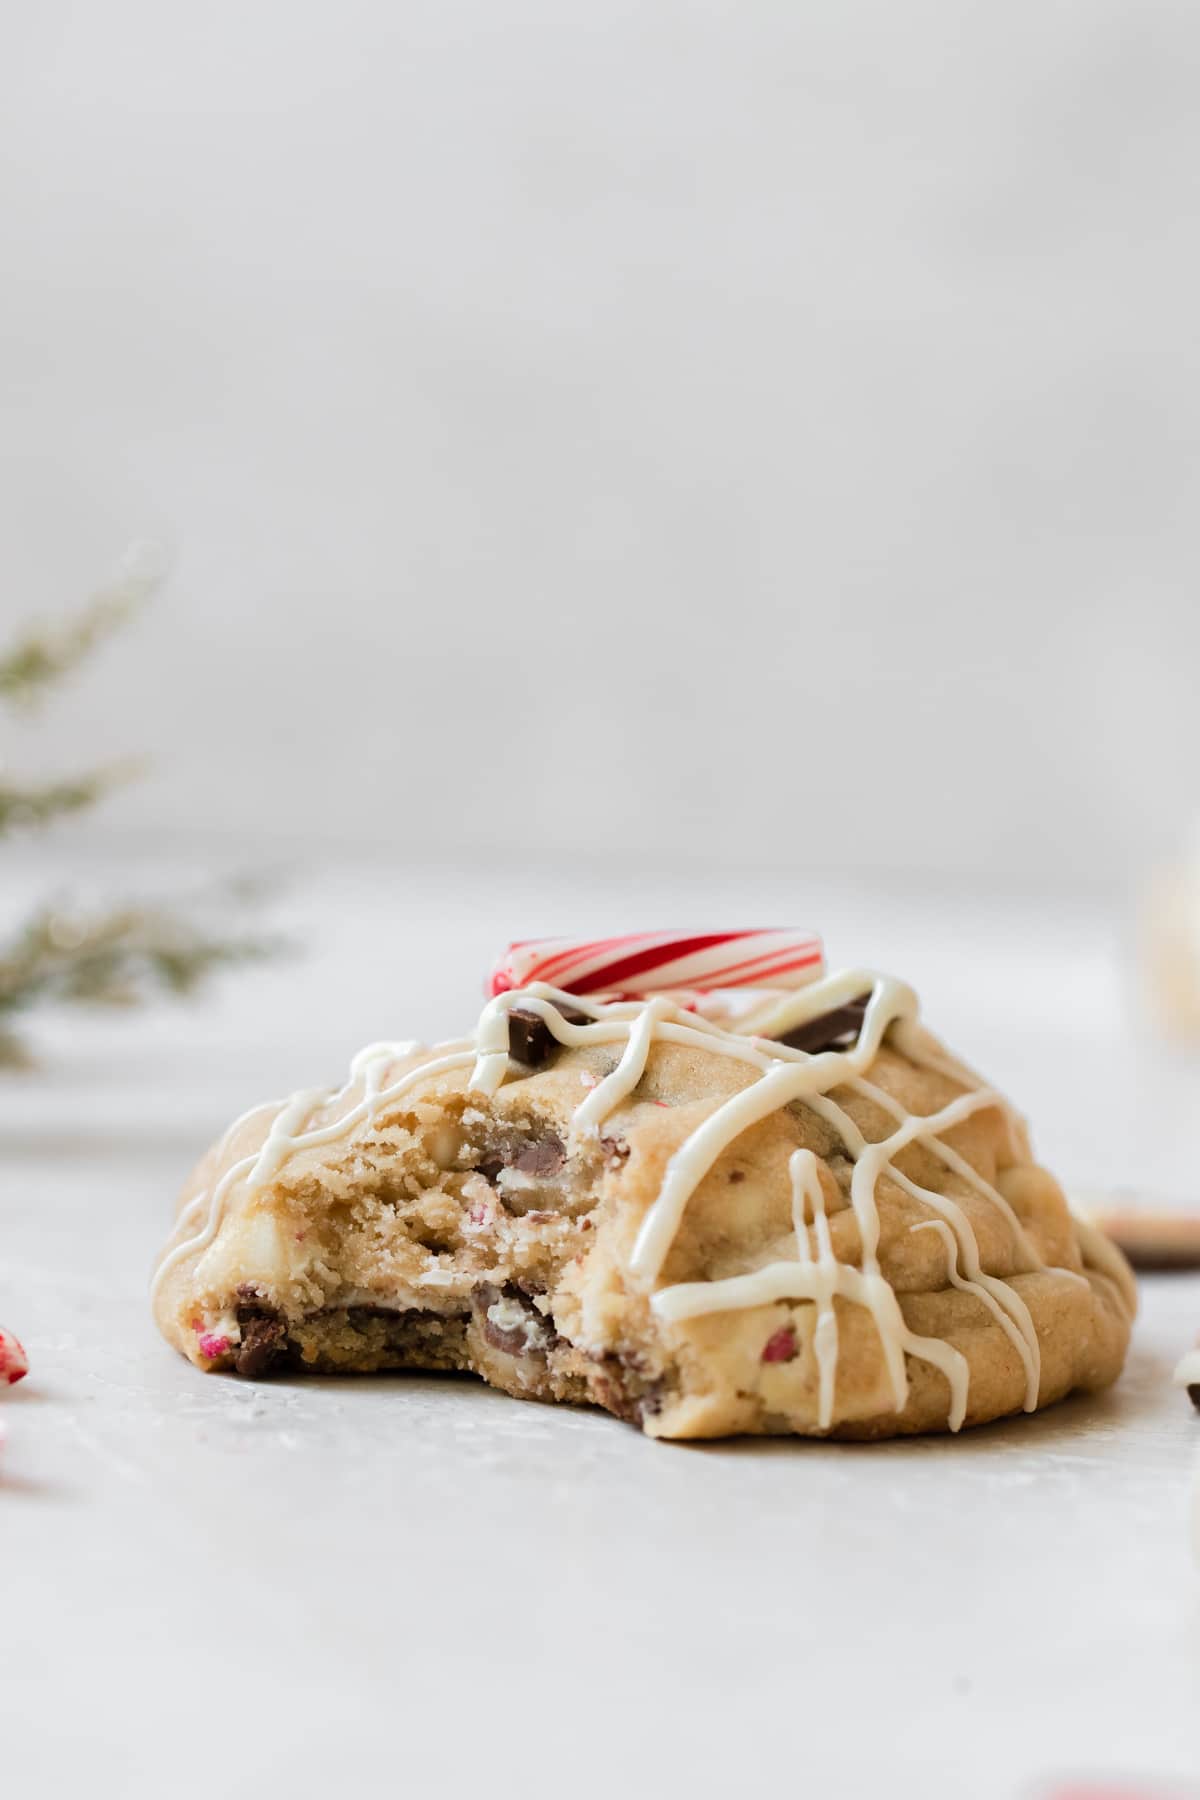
(784,1076)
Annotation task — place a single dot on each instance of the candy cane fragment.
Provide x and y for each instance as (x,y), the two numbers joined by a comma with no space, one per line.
(652,962)
(14,1364)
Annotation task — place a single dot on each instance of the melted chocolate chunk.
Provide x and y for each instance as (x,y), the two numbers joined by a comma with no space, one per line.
(622,1387)
(545,1156)
(530,1039)
(651,1402)
(510,1148)
(264,1346)
(510,1322)
(1194,1394)
(828,1030)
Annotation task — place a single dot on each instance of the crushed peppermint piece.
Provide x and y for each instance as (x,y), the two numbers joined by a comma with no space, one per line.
(212,1345)
(780,1346)
(14,1364)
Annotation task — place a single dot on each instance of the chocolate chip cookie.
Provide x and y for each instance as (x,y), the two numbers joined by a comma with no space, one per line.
(810,1219)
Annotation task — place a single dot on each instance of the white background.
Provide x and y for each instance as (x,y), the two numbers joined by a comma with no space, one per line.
(761,433)
(626,463)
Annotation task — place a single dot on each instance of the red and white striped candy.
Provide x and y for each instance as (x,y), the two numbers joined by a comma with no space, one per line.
(13,1361)
(652,962)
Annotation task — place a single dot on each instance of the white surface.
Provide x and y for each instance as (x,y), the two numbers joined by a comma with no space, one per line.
(420,1585)
(761,380)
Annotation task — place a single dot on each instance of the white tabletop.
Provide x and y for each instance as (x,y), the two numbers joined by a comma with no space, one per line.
(207,1584)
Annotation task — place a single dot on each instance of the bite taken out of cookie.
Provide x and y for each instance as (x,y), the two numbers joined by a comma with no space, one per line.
(692,1179)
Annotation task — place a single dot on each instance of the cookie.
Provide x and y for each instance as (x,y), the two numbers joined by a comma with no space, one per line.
(1187,1375)
(1151,1238)
(796,1214)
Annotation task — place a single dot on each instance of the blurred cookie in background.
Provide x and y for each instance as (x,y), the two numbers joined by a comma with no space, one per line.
(1169,945)
(1154,1233)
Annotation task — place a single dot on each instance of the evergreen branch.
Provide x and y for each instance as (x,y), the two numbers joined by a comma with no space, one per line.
(45,654)
(123,956)
(25,806)
(118,958)
(13,1054)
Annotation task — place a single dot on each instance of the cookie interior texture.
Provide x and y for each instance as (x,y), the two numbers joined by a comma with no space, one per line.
(451,1228)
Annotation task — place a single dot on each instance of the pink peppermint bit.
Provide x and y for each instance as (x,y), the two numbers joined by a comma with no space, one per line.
(780,1346)
(212,1345)
(14,1364)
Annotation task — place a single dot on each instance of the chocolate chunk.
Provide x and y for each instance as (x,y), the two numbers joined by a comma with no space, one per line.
(510,1323)
(829,1029)
(264,1343)
(1194,1394)
(545,1156)
(512,1148)
(623,1387)
(499,1151)
(530,1039)
(651,1402)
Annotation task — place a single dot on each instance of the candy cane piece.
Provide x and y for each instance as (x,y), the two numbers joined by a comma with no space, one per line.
(650,962)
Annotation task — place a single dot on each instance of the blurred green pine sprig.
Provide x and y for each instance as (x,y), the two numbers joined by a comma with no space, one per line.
(122,955)
(43,654)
